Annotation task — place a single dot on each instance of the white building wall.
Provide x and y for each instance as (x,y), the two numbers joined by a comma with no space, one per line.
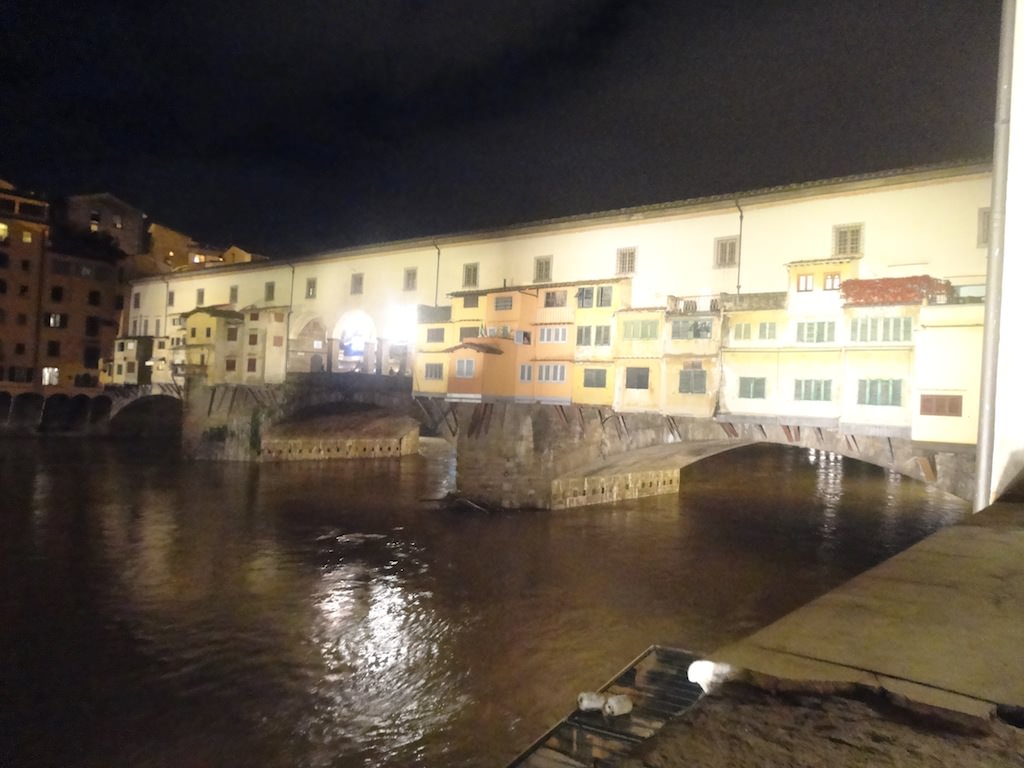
(1008,447)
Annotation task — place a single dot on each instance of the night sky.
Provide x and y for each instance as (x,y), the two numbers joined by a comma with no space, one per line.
(291,126)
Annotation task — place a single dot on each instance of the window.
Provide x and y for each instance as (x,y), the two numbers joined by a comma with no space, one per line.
(817,332)
(465,369)
(879,391)
(693,379)
(554,298)
(26,236)
(812,389)
(19,348)
(468,332)
(92,326)
(53,348)
(233,333)
(832,281)
(805,282)
(51,376)
(942,405)
(200,296)
(583,336)
(129,367)
(118,221)
(5,232)
(230,364)
(551,372)
(523,337)
(726,251)
(766,331)
(602,335)
(355,286)
(433,371)
(741,331)
(435,335)
(502,303)
(94,299)
(604,295)
(192,332)
(268,291)
(637,378)
(542,269)
(880,329)
(250,365)
(145,327)
(984,226)
(56,320)
(470,275)
(209,332)
(553,334)
(254,339)
(3,286)
(595,378)
(135,326)
(525,372)
(470,302)
(585,297)
(691,329)
(848,239)
(310,287)
(136,300)
(254,316)
(409,279)
(639,329)
(752,388)
(119,302)
(232,294)
(57,293)
(625,261)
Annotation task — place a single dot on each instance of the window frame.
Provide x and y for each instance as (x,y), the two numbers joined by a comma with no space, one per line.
(637,376)
(543,269)
(731,247)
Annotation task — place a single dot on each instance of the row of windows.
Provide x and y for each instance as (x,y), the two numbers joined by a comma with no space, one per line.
(5,234)
(693,380)
(811,332)
(805,282)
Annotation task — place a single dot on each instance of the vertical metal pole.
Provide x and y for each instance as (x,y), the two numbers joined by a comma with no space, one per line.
(739,250)
(994,279)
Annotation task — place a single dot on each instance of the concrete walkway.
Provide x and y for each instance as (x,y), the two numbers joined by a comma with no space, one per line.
(941,624)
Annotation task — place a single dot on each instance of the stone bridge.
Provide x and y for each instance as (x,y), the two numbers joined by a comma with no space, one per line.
(509,455)
(512,455)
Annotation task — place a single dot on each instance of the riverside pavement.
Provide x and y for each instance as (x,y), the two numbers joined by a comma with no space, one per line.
(940,625)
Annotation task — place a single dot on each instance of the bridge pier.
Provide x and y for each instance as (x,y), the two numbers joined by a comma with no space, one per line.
(548,456)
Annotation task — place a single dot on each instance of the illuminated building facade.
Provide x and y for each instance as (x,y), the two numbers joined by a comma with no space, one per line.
(834,304)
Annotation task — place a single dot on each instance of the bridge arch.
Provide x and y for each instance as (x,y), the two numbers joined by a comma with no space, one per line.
(356,333)
(152,415)
(309,349)
(26,410)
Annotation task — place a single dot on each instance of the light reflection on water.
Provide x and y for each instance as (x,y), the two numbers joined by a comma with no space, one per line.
(155,613)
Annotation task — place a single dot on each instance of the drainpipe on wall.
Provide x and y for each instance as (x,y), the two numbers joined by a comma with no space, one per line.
(994,278)
(437,272)
(288,327)
(739,248)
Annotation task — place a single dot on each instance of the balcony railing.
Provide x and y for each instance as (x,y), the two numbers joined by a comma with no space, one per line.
(695,305)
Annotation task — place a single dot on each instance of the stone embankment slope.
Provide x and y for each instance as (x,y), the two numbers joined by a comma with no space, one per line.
(917,662)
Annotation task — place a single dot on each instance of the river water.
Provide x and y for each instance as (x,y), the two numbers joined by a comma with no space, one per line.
(165,614)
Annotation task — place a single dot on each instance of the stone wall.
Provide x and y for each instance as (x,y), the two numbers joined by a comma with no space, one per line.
(509,454)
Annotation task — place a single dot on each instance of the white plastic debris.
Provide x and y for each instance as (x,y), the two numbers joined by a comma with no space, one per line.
(590,702)
(619,704)
(707,674)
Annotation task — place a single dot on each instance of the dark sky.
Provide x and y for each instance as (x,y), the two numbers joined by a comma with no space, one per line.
(289,126)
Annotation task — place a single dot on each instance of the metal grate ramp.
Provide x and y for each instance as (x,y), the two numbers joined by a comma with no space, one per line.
(655,681)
